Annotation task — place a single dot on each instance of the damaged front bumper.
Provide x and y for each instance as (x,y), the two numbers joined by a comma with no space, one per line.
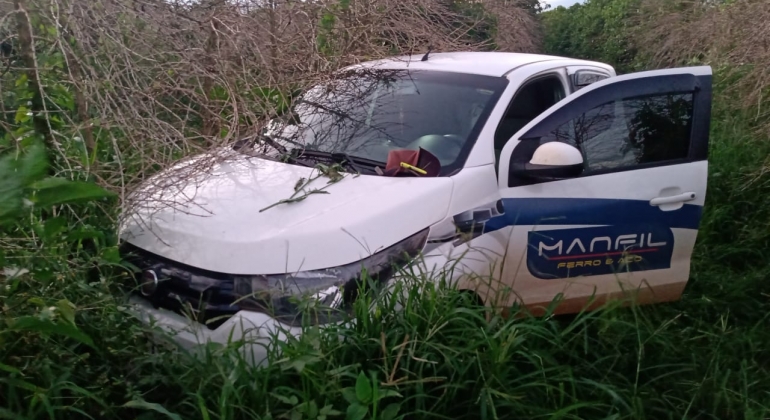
(195,307)
(257,331)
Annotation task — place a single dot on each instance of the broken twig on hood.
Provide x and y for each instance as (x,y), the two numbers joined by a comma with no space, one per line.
(332,172)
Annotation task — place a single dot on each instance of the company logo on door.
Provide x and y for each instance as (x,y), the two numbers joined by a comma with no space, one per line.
(563,253)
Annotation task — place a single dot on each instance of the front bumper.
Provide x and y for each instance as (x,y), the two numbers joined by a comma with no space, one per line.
(256,330)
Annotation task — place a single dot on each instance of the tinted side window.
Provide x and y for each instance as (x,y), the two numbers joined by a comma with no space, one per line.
(630,132)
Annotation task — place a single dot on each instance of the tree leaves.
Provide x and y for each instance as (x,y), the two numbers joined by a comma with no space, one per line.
(356,411)
(363,389)
(23,182)
(390,412)
(594,30)
(17,172)
(54,191)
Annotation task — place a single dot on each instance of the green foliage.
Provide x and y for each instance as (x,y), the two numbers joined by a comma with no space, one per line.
(144,405)
(34,317)
(735,233)
(438,356)
(326,26)
(594,30)
(23,183)
(17,175)
(42,324)
(54,191)
(484,26)
(365,399)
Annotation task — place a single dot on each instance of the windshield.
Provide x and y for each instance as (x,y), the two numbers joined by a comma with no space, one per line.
(367,113)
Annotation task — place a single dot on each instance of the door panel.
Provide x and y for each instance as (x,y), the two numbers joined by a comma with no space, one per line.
(630,220)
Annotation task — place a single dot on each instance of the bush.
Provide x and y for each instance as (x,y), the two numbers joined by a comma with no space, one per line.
(597,30)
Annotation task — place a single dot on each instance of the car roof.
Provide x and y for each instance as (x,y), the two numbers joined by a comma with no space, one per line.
(484,63)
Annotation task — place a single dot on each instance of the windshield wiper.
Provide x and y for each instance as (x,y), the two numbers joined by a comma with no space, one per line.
(285,154)
(275,145)
(346,157)
(358,164)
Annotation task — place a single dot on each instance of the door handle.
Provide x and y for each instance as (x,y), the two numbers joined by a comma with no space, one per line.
(673,199)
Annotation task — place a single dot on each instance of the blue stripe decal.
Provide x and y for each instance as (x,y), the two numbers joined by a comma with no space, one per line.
(591,211)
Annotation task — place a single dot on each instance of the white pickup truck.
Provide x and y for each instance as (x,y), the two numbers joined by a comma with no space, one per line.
(532,176)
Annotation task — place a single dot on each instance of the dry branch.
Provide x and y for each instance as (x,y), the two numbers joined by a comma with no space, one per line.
(154,81)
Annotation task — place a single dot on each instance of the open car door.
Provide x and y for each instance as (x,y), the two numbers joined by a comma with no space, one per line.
(625,219)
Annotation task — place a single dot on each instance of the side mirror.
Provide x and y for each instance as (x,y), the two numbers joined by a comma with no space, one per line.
(551,161)
(584,78)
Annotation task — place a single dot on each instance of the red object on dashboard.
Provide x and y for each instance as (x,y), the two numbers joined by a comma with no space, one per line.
(421,158)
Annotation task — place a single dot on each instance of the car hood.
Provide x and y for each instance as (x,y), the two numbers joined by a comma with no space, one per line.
(210,212)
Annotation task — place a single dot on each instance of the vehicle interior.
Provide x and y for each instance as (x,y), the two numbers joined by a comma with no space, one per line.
(530,101)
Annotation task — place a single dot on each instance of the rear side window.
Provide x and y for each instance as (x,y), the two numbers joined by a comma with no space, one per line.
(632,131)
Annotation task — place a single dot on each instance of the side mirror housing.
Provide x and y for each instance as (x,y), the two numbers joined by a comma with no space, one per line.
(583,78)
(551,161)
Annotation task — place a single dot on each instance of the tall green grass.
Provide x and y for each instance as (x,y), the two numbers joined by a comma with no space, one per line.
(441,357)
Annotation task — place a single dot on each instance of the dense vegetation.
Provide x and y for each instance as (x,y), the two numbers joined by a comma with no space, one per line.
(80,110)
(598,29)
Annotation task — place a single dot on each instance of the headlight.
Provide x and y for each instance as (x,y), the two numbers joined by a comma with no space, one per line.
(322,296)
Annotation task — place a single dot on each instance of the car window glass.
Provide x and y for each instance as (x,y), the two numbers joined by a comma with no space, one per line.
(370,112)
(529,102)
(630,131)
